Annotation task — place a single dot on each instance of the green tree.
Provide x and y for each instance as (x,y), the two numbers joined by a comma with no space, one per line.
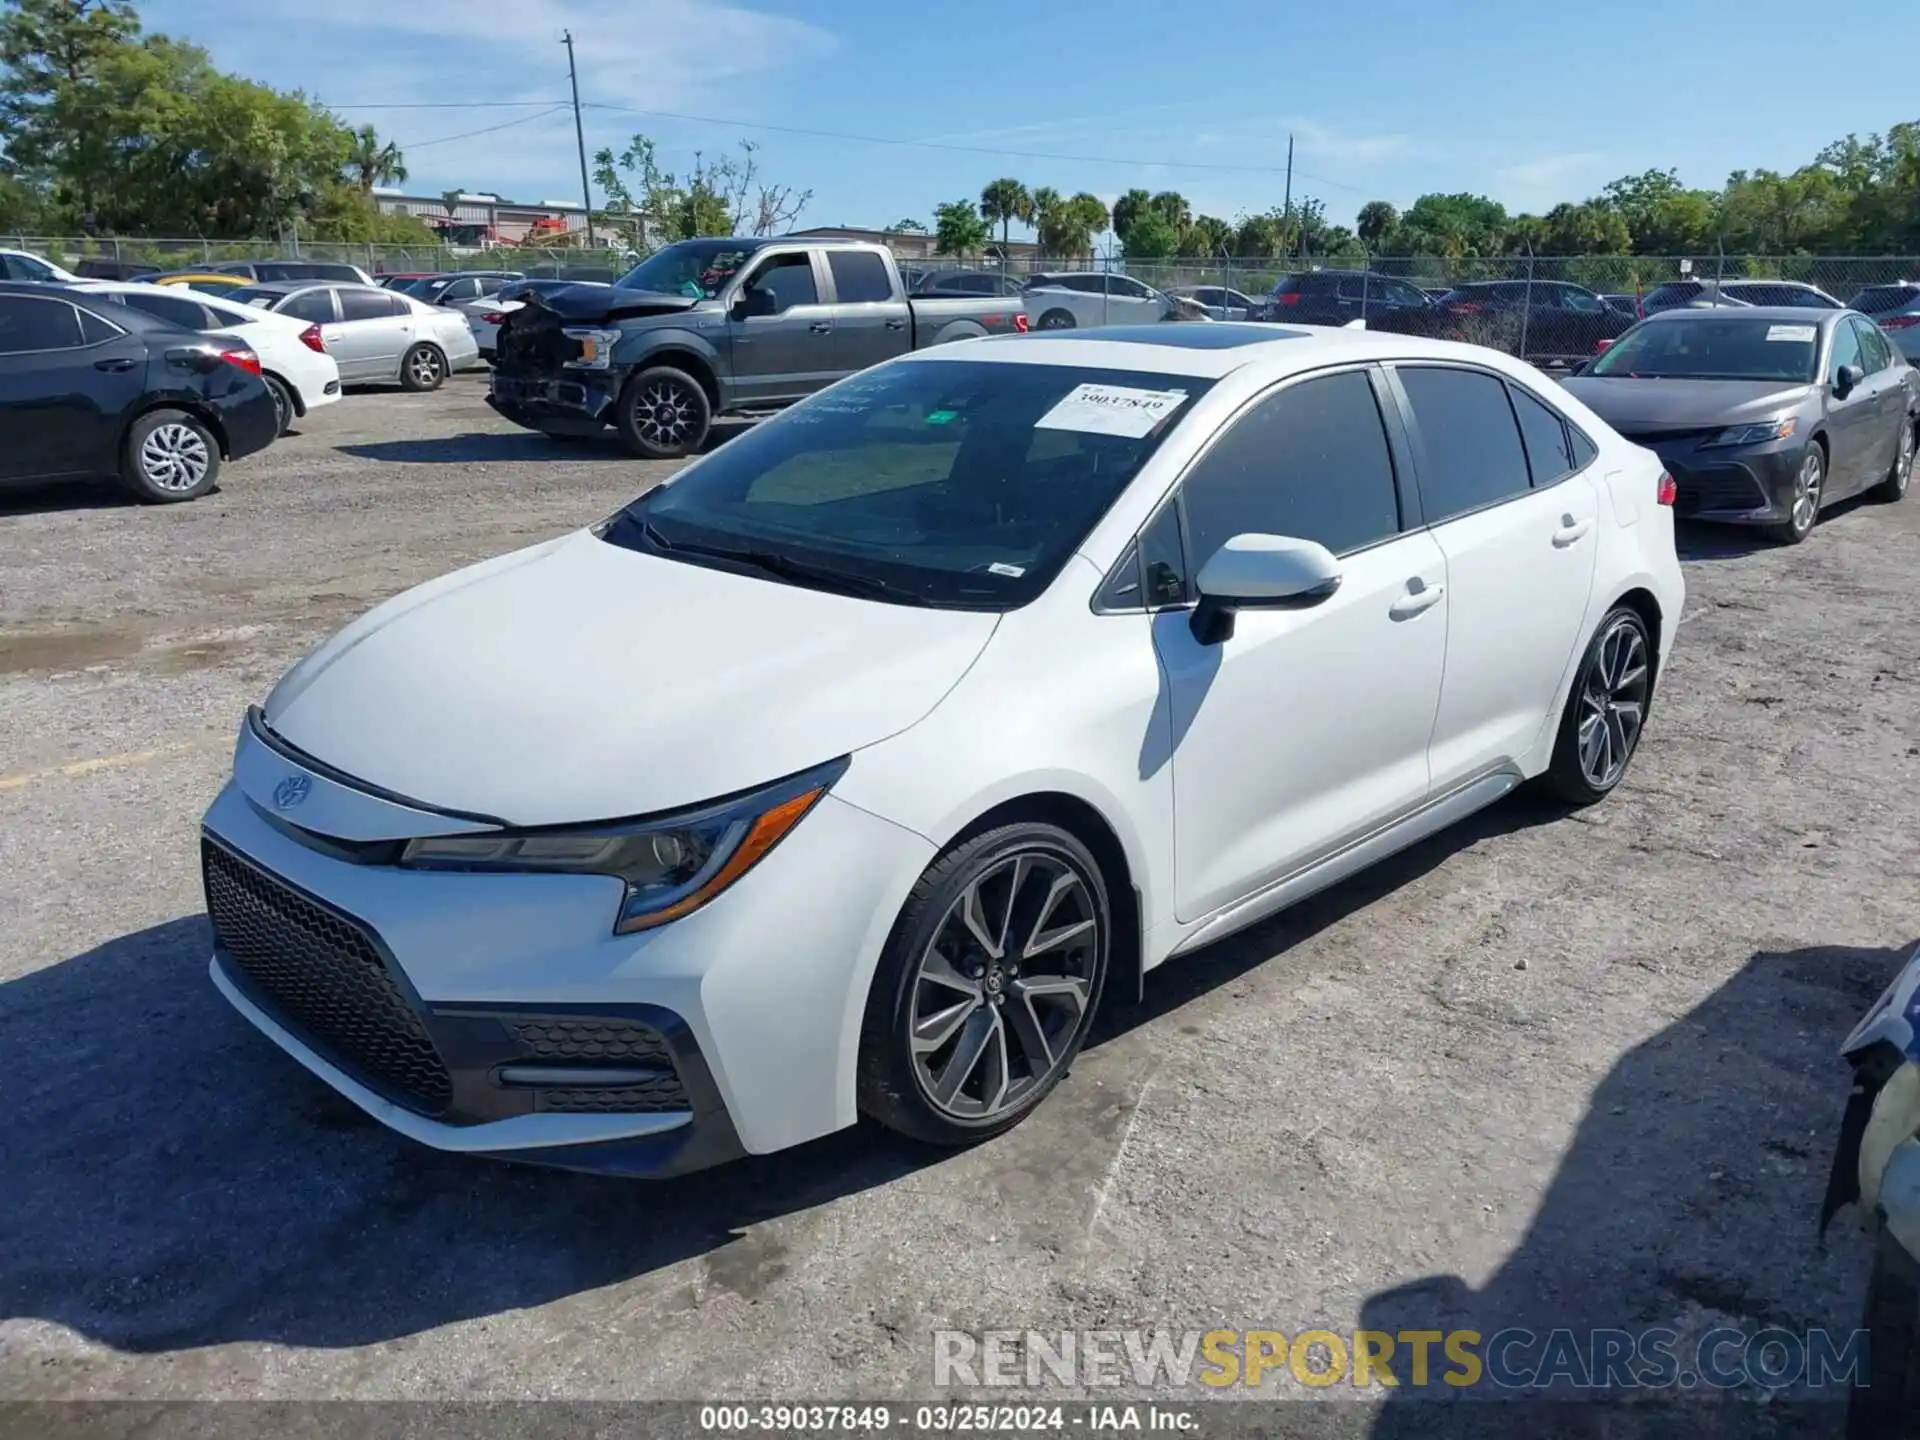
(372,162)
(52,56)
(1453,226)
(1004,201)
(727,196)
(1584,230)
(909,227)
(1151,236)
(1261,236)
(1663,217)
(1375,222)
(1067,227)
(958,229)
(1127,209)
(1208,235)
(1042,203)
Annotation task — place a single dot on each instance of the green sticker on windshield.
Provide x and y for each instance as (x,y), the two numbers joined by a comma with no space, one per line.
(940,417)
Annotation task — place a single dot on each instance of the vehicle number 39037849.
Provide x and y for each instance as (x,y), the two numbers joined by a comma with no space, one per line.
(919,1419)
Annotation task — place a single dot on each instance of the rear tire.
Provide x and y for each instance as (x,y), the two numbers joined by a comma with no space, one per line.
(987,986)
(422,369)
(1606,711)
(1057,320)
(283,407)
(170,456)
(1894,487)
(664,414)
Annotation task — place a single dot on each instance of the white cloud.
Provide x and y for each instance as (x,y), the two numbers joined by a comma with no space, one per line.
(1547,179)
(1314,143)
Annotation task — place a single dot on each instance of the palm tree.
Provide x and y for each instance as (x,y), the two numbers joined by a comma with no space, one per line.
(373,163)
(1003,202)
(1043,208)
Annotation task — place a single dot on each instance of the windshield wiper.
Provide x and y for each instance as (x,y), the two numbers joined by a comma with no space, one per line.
(784,567)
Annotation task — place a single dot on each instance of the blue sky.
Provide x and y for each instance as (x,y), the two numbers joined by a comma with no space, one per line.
(1530,102)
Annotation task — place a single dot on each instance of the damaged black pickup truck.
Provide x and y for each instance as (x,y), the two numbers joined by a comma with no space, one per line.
(704,328)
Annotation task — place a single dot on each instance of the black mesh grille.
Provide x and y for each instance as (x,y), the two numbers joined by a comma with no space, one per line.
(586,1039)
(648,1097)
(323,975)
(1717,488)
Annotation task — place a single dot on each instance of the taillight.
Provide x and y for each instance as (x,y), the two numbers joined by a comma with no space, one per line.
(1467,307)
(247,360)
(1899,322)
(314,340)
(1020,321)
(1668,491)
(1601,348)
(1290,298)
(493,317)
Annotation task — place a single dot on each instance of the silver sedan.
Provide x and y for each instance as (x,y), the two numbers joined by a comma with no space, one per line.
(377,336)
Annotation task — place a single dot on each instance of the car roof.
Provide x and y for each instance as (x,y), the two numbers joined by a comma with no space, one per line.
(1207,350)
(1800,314)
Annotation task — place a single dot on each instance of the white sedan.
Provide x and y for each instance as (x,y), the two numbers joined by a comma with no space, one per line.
(1084,299)
(294,361)
(846,771)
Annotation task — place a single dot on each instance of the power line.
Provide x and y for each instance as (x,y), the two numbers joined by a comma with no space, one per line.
(437,104)
(972,149)
(486,130)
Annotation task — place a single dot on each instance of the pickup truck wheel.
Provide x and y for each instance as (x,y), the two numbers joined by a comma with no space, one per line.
(664,414)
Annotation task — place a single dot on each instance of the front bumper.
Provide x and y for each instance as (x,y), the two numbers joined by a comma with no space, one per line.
(1732,485)
(578,400)
(745,1014)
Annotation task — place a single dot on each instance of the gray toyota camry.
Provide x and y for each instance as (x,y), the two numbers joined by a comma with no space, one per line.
(1762,415)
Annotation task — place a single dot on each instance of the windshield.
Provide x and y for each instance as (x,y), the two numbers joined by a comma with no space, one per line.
(940,482)
(1706,345)
(698,269)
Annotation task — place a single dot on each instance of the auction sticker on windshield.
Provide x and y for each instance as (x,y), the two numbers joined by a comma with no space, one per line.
(1800,333)
(1111,410)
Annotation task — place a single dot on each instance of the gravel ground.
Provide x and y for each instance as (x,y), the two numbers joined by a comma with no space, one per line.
(1555,1070)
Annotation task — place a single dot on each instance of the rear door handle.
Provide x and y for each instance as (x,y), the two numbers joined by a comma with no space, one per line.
(1416,602)
(821,327)
(114,364)
(1570,532)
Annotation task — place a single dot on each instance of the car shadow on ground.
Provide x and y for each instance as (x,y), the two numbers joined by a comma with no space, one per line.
(62,495)
(1689,1199)
(492,446)
(1701,540)
(174,1181)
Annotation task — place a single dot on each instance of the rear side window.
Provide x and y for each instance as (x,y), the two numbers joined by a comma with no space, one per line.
(859,277)
(174,309)
(1885,299)
(1311,462)
(29,323)
(1549,455)
(1470,447)
(1585,452)
(312,305)
(368,305)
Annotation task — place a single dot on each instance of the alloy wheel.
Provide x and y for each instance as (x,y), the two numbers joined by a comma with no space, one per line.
(1005,985)
(424,368)
(1903,465)
(174,458)
(665,414)
(1806,491)
(1613,703)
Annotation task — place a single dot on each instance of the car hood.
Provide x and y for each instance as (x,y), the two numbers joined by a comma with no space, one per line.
(608,302)
(578,681)
(1649,406)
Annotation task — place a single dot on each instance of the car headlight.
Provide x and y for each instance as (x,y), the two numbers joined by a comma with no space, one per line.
(1756,434)
(672,865)
(596,347)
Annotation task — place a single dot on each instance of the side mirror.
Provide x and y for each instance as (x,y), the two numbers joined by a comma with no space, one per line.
(1846,380)
(1261,572)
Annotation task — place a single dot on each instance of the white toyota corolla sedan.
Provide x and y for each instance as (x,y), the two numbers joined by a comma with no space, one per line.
(847,770)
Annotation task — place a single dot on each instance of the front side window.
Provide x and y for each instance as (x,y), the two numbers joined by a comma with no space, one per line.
(936,482)
(789,279)
(1714,345)
(29,323)
(1310,461)
(1876,352)
(1470,450)
(1581,302)
(859,277)
(1846,351)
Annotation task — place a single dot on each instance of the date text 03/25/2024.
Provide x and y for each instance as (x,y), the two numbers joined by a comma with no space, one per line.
(942,1419)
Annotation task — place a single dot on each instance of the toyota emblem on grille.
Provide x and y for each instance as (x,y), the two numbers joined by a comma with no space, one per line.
(291,791)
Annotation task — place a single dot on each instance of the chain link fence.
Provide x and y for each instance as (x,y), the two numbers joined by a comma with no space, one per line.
(1547,308)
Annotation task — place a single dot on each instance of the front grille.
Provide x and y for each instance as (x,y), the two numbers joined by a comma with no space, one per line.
(323,975)
(1721,487)
(607,1041)
(648,1097)
(531,342)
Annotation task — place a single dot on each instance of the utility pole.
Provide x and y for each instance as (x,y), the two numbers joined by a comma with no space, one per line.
(1287,204)
(580,135)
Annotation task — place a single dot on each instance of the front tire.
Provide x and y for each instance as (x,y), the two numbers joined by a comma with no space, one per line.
(664,414)
(170,456)
(987,986)
(1894,487)
(422,369)
(1606,711)
(1809,489)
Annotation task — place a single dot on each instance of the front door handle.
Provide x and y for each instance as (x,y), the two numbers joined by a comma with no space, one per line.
(821,327)
(114,364)
(896,324)
(1571,531)
(1416,602)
